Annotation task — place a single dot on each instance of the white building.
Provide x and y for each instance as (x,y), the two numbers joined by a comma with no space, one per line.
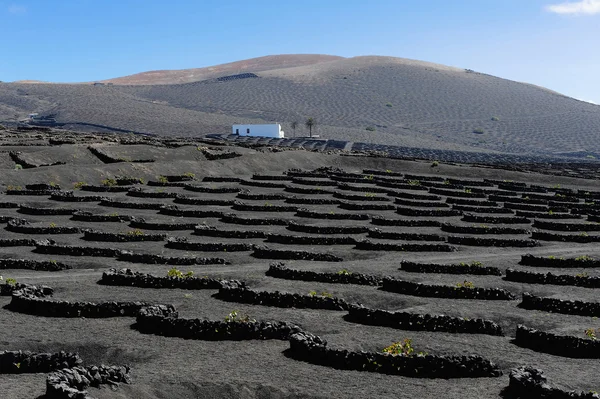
(264,130)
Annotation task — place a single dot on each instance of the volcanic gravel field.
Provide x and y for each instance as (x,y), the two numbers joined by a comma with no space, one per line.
(256,223)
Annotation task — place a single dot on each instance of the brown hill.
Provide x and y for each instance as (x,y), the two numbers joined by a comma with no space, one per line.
(381,100)
(251,65)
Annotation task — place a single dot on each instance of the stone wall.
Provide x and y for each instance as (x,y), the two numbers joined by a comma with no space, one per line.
(414,267)
(529,382)
(421,322)
(278,270)
(445,291)
(554,305)
(559,345)
(310,348)
(280,299)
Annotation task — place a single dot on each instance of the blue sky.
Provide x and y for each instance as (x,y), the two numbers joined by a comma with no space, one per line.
(551,43)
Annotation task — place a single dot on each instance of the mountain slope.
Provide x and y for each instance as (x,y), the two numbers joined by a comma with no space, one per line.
(251,65)
(382,100)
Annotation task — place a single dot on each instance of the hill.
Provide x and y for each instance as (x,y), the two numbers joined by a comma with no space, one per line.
(381,100)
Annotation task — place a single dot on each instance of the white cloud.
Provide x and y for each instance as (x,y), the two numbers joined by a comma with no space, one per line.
(582,7)
(588,101)
(16,9)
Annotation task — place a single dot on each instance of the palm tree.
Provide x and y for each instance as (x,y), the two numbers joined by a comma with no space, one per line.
(310,123)
(294,125)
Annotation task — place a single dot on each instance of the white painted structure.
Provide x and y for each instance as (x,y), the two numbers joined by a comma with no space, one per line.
(264,130)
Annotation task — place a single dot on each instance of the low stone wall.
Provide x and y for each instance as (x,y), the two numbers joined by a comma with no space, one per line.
(212,190)
(481,209)
(414,267)
(261,197)
(445,291)
(421,203)
(492,242)
(390,235)
(540,261)
(38,265)
(515,200)
(305,228)
(415,196)
(154,259)
(6,205)
(521,188)
(141,223)
(181,199)
(555,279)
(427,212)
(104,189)
(130,205)
(355,197)
(542,215)
(74,250)
(173,210)
(314,182)
(566,226)
(235,219)
(21,362)
(495,219)
(267,184)
(305,213)
(280,299)
(257,176)
(313,349)
(529,382)
(42,186)
(33,210)
(139,193)
(400,185)
(554,305)
(153,320)
(211,231)
(18,242)
(164,183)
(451,228)
(278,270)
(535,208)
(214,155)
(309,240)
(580,238)
(267,253)
(238,206)
(379,172)
(422,322)
(471,202)
(366,206)
(306,190)
(128,278)
(381,221)
(94,235)
(183,244)
(312,201)
(220,179)
(370,189)
(559,345)
(90,217)
(30,192)
(23,226)
(69,196)
(29,301)
(367,245)
(71,383)
(459,194)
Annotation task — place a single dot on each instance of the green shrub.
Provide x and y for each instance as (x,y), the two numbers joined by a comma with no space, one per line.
(400,348)
(389,105)
(370,128)
(495,118)
(465,284)
(478,130)
(79,184)
(18,166)
(108,182)
(435,164)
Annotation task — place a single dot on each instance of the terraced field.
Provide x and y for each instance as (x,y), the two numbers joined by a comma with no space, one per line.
(197,268)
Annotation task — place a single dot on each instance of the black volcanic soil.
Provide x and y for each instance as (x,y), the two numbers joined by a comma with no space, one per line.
(165,367)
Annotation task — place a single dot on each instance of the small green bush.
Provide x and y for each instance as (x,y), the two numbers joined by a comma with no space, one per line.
(478,131)
(370,128)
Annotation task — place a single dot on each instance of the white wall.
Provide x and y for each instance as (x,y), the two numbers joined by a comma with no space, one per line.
(265,130)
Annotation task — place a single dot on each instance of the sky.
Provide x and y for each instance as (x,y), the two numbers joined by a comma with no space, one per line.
(551,43)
